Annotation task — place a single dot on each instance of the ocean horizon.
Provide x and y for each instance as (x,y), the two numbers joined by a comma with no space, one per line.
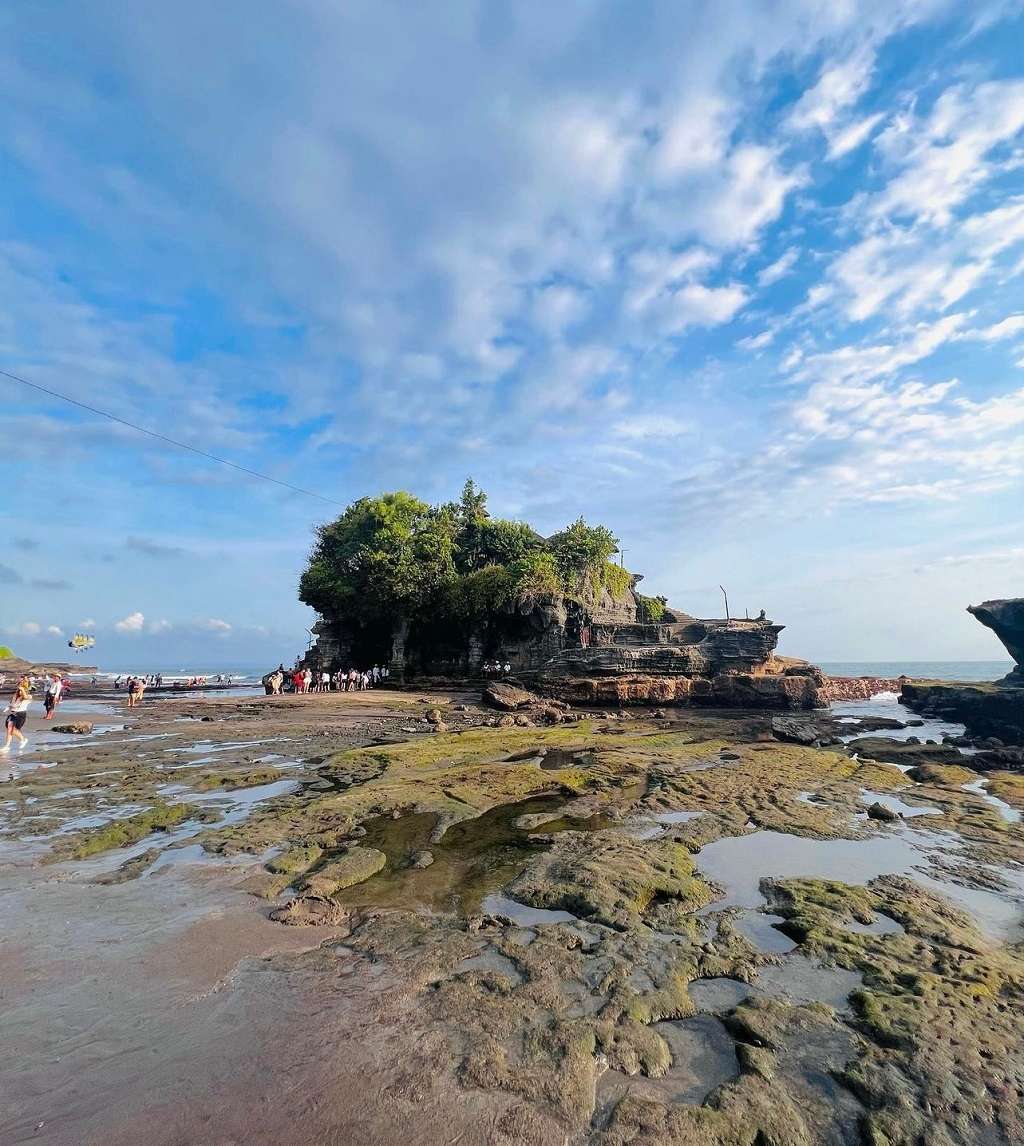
(929,670)
(924,670)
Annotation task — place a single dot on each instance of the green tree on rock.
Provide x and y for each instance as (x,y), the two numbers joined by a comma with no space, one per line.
(385,556)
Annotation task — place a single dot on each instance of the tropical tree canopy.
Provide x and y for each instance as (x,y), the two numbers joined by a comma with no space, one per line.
(395,556)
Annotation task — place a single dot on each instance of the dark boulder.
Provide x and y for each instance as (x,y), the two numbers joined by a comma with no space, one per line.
(794,730)
(879,811)
(904,751)
(508,697)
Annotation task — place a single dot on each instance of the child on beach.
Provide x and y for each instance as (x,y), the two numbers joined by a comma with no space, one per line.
(17,714)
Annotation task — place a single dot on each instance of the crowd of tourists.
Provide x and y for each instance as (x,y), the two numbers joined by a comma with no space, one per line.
(495,669)
(323,680)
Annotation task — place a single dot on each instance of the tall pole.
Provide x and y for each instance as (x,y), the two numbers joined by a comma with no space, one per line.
(726,596)
(622,558)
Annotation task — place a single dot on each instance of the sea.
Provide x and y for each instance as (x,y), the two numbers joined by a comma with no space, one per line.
(926,670)
(922,670)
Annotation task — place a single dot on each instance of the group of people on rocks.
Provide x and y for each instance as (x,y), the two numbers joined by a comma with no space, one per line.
(307,680)
(494,669)
(150,680)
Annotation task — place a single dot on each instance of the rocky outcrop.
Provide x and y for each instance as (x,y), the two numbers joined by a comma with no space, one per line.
(733,690)
(800,730)
(904,751)
(858,687)
(1006,619)
(685,661)
(984,708)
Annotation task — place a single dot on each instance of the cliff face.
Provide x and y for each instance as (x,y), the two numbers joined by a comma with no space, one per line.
(592,649)
(1006,619)
(713,662)
(525,636)
(985,708)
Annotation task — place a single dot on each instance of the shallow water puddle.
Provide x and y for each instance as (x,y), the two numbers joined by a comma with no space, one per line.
(881,925)
(491,960)
(676,817)
(887,705)
(472,859)
(554,759)
(703,1058)
(760,928)
(739,863)
(799,979)
(901,807)
(718,994)
(521,914)
(1010,814)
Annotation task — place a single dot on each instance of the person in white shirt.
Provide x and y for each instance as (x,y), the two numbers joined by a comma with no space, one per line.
(54,687)
(325,681)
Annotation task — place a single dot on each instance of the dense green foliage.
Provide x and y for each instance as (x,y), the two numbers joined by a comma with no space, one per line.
(651,609)
(6,653)
(395,556)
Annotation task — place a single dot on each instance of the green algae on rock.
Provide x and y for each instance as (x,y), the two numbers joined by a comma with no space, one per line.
(121,833)
(353,867)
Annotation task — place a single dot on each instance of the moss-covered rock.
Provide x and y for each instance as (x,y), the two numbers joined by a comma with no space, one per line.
(353,867)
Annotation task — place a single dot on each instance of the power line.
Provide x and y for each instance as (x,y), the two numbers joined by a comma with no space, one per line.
(169,441)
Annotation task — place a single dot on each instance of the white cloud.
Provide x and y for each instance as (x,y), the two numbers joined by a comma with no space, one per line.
(840,86)
(697,305)
(779,269)
(757,341)
(843,369)
(157,627)
(131,624)
(850,137)
(557,307)
(1008,328)
(750,194)
(944,156)
(696,137)
(1011,556)
(55,631)
(215,625)
(644,426)
(906,271)
(88,623)
(27,629)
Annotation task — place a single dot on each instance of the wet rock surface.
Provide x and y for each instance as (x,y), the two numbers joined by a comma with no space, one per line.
(987,710)
(632,930)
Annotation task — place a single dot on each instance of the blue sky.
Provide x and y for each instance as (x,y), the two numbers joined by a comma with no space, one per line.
(745,282)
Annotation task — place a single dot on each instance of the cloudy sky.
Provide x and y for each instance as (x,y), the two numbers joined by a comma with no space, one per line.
(745,282)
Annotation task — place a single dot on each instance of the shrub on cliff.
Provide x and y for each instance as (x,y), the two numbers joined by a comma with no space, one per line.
(650,609)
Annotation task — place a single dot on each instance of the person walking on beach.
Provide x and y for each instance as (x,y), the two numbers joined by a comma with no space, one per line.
(17,714)
(54,687)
